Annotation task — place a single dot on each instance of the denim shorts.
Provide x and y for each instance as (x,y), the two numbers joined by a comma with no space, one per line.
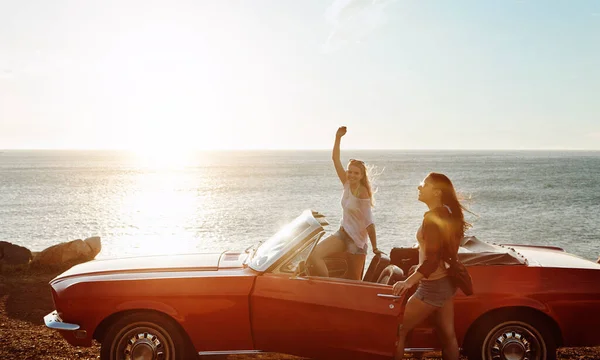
(435,292)
(350,244)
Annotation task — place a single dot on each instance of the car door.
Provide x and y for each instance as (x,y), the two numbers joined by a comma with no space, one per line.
(324,317)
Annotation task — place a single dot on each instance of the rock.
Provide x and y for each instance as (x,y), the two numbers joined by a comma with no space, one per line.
(72,251)
(598,260)
(94,244)
(12,254)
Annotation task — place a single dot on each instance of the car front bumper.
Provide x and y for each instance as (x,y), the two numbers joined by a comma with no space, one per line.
(53,321)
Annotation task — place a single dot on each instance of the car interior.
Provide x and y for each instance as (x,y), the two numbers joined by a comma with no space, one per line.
(382,269)
(385,269)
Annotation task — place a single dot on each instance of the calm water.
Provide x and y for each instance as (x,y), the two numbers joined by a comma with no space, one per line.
(167,203)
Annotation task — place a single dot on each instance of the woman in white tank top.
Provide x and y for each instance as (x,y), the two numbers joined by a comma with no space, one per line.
(357,225)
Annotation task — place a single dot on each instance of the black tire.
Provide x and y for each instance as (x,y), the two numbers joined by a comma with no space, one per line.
(147,333)
(497,336)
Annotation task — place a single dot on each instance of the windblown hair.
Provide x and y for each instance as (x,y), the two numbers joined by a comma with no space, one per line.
(364,181)
(458,225)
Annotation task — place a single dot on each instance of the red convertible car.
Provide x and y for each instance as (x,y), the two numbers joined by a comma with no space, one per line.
(528,301)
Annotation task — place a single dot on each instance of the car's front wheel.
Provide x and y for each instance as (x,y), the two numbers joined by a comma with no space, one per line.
(144,335)
(521,337)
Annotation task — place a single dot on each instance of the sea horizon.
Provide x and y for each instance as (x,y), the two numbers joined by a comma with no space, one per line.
(302,149)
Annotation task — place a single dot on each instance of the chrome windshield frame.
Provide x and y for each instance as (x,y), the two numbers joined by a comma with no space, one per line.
(273,256)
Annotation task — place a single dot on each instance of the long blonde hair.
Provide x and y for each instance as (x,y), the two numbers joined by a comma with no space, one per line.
(364,181)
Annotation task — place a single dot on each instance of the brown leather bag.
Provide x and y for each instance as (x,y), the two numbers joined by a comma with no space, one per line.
(460,276)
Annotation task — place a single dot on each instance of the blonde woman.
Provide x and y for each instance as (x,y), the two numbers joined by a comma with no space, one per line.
(357,225)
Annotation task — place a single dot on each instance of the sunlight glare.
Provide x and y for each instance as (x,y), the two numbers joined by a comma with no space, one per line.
(163,158)
(161,211)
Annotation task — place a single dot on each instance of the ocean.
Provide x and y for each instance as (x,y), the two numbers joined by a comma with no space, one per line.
(167,203)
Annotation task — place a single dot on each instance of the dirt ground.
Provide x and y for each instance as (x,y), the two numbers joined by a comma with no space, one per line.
(25,298)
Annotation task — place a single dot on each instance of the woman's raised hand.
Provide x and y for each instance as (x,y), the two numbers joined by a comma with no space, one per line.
(341,131)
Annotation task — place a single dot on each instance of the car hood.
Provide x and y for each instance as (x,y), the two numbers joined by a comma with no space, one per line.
(187,262)
(553,257)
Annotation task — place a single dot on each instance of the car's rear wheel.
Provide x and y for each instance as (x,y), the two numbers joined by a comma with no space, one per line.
(144,335)
(522,336)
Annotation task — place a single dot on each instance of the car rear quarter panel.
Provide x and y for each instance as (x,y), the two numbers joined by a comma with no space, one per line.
(573,296)
(211,306)
(570,297)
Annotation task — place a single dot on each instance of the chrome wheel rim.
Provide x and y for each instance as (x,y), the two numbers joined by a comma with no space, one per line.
(514,340)
(143,341)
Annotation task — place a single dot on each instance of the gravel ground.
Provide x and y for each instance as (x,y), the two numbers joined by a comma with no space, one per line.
(25,298)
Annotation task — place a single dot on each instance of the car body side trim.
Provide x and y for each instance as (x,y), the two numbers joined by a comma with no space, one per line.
(421,350)
(241,352)
(418,350)
(229,352)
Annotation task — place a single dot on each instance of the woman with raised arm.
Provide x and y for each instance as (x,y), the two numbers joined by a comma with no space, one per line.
(357,218)
(439,236)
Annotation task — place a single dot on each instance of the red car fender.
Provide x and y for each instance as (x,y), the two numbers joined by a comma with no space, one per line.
(149,305)
(468,310)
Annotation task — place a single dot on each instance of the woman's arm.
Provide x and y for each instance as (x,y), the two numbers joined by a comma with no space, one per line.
(432,239)
(335,155)
(373,237)
(401,287)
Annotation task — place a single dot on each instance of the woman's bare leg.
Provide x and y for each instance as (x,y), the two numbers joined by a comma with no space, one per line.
(416,312)
(325,248)
(444,321)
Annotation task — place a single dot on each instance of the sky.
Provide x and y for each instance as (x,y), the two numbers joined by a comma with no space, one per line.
(284,74)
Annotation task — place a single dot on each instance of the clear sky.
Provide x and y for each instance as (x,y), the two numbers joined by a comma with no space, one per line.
(275,74)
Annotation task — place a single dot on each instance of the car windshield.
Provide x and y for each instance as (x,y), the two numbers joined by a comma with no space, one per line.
(283,241)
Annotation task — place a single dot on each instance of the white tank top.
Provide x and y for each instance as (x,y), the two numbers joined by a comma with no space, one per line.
(356,216)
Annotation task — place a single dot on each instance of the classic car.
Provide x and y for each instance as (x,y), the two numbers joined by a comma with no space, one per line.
(528,301)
